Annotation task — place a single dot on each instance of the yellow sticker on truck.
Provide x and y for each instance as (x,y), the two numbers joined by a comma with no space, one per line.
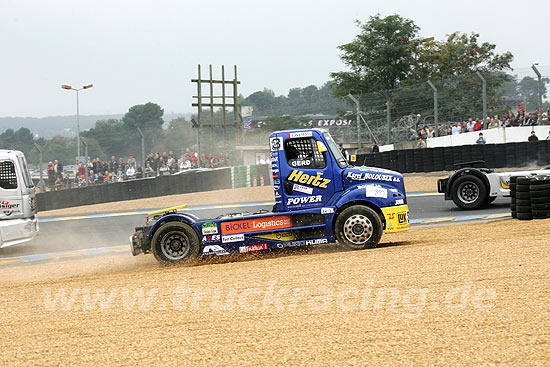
(282,236)
(397,218)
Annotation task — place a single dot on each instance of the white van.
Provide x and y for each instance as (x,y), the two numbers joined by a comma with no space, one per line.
(18,222)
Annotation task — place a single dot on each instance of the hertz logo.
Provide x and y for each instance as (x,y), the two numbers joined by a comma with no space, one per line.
(303,178)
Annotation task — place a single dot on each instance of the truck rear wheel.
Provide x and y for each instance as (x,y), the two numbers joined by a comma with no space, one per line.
(358,227)
(469,192)
(175,243)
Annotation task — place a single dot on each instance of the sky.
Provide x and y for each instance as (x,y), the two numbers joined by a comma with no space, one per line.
(138,51)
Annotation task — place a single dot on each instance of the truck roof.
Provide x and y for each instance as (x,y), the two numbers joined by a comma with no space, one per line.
(320,131)
(9,153)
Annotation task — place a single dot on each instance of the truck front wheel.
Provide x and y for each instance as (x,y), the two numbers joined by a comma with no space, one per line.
(358,227)
(175,242)
(469,192)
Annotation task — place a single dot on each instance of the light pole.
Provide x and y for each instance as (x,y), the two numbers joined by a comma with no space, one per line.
(539,118)
(68,87)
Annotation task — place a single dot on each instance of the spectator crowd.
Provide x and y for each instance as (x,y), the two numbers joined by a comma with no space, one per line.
(99,171)
(519,118)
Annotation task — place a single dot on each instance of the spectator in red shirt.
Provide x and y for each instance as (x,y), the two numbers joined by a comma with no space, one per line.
(81,169)
(477,125)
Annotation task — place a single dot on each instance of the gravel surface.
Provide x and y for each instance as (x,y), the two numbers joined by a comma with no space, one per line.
(471,294)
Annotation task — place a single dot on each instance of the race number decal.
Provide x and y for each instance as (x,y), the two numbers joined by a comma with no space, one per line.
(275,144)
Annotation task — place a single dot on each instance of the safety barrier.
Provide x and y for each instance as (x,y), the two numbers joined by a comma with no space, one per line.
(444,158)
(182,183)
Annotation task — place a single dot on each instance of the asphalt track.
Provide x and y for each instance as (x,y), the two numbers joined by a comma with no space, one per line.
(91,233)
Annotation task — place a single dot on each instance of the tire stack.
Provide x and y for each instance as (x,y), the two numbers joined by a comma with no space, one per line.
(530,197)
(523,199)
(513,191)
(539,190)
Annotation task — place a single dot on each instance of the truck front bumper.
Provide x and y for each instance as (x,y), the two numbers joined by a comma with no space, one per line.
(397,218)
(16,231)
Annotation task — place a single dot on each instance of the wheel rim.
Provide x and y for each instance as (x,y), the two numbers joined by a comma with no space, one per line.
(358,229)
(175,245)
(468,192)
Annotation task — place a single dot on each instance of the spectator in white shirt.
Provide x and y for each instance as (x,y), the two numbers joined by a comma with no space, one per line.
(470,125)
(430,133)
(456,129)
(149,171)
(164,170)
(131,172)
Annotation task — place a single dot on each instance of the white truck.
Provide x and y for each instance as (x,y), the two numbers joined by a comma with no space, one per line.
(472,186)
(18,222)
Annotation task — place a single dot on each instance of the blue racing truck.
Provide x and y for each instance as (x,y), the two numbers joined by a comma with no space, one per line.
(319,198)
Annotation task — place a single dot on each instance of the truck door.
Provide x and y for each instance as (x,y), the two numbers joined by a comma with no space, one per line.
(308,179)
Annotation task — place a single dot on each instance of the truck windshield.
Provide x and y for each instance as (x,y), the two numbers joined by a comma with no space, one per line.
(342,163)
(26,176)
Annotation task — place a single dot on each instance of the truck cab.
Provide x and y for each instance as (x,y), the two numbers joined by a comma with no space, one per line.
(18,222)
(319,198)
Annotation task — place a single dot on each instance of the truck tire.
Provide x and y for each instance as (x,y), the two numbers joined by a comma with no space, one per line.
(358,227)
(522,188)
(539,194)
(539,187)
(540,206)
(540,214)
(540,200)
(469,192)
(523,202)
(523,209)
(175,243)
(524,216)
(522,195)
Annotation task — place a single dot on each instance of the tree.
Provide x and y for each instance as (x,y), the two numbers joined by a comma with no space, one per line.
(148,117)
(460,54)
(300,101)
(277,123)
(21,139)
(264,102)
(387,60)
(145,116)
(528,89)
(7,139)
(452,65)
(112,136)
(60,148)
(380,57)
(24,140)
